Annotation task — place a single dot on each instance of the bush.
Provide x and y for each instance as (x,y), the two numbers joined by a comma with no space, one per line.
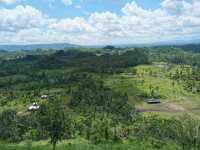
(32,134)
(11,128)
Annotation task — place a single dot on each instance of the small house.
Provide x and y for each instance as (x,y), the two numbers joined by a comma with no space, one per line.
(153,101)
(33,107)
(44,96)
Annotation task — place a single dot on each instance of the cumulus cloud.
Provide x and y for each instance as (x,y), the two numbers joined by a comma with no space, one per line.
(75,25)
(174,20)
(20,18)
(175,7)
(8,1)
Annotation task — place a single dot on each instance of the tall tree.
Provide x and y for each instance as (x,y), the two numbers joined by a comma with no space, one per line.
(54,120)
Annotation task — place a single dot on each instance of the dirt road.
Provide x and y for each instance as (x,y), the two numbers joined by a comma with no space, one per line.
(164,107)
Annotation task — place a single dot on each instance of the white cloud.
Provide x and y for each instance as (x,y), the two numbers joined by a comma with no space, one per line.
(8,1)
(174,20)
(22,17)
(133,9)
(175,7)
(75,25)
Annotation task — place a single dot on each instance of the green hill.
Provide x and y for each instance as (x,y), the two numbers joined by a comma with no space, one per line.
(100,96)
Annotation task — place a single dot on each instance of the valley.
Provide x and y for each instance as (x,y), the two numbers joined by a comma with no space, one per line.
(82,92)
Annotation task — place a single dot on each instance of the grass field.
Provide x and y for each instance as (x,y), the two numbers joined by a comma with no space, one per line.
(86,146)
(175,100)
(136,82)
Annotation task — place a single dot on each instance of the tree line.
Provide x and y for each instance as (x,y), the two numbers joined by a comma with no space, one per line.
(100,115)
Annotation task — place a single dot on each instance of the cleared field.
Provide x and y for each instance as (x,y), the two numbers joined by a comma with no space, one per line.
(140,81)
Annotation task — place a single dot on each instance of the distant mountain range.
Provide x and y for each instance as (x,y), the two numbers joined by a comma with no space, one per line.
(192,46)
(56,46)
(163,43)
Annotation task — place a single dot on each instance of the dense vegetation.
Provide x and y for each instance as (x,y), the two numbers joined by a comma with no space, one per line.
(93,95)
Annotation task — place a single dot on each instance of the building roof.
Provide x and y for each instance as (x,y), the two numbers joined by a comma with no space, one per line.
(153,101)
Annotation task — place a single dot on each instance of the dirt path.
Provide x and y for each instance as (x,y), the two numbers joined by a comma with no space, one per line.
(165,107)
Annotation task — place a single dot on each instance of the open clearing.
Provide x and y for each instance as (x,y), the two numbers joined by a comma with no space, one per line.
(137,82)
(165,107)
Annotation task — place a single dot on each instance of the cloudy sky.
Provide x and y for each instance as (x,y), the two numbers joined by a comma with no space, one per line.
(97,22)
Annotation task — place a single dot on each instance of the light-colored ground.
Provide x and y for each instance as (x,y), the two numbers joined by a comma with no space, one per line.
(175,100)
(163,107)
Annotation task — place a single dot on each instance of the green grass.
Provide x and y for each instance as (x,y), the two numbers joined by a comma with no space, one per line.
(86,146)
(155,75)
(135,85)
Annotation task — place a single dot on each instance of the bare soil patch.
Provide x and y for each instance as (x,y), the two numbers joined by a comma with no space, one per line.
(165,107)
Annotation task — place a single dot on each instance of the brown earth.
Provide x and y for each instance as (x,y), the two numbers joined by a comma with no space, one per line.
(165,107)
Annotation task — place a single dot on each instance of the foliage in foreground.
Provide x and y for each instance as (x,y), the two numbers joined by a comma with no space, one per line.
(128,146)
(101,122)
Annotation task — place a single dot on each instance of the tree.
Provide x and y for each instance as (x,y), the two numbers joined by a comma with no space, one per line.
(11,127)
(188,132)
(54,120)
(109,47)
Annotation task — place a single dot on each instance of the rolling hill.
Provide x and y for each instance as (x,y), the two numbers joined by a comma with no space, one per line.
(56,46)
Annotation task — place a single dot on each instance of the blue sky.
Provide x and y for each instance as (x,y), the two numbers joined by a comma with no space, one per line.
(81,8)
(92,22)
